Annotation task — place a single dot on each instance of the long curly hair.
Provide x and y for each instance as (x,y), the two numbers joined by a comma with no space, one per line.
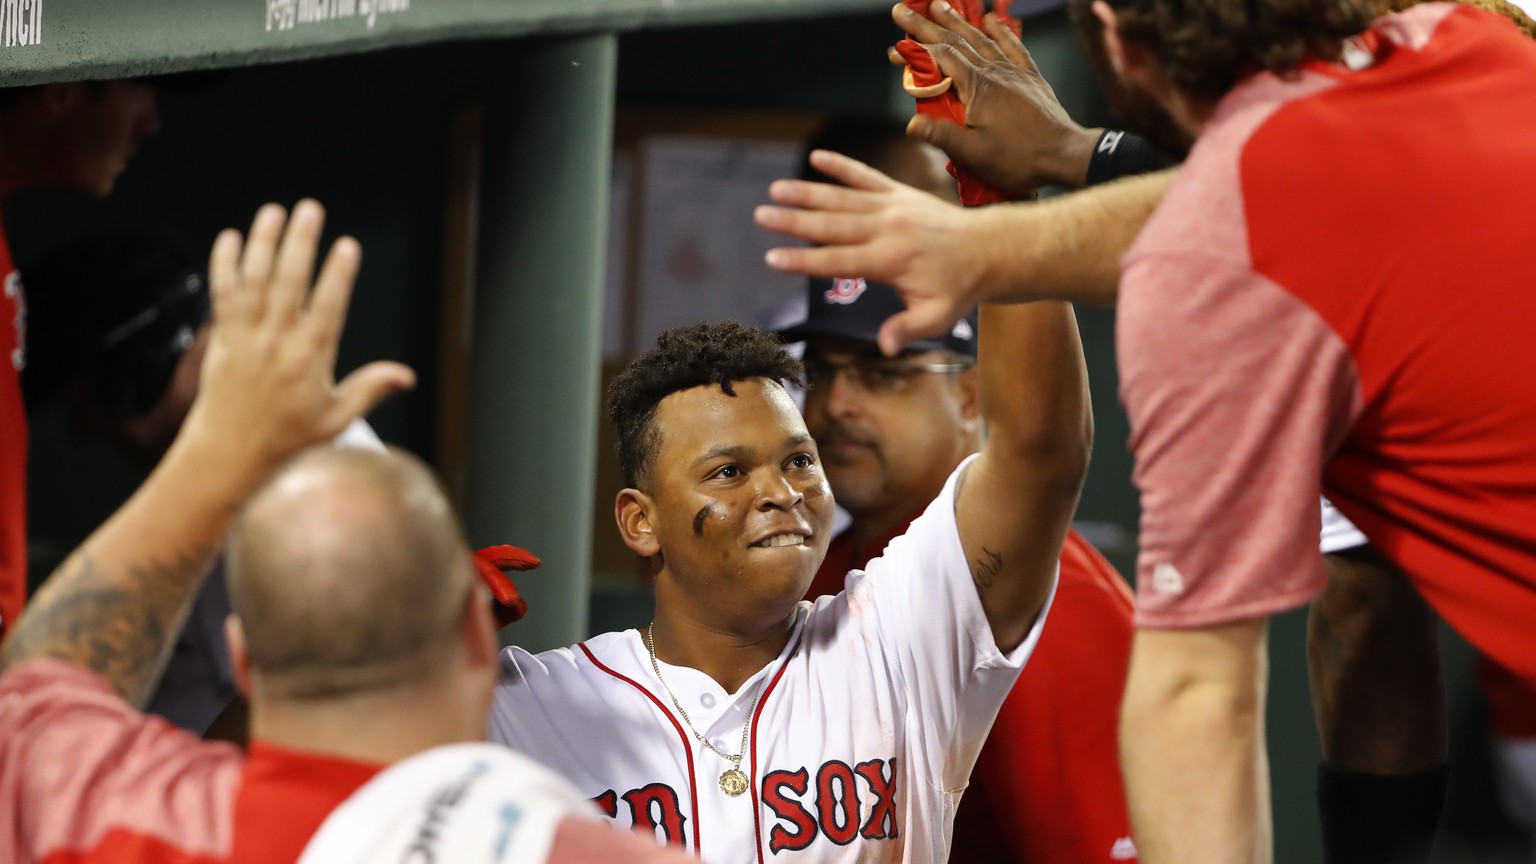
(1202,47)
(688,356)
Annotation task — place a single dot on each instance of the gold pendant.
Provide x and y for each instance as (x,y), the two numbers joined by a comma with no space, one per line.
(733,782)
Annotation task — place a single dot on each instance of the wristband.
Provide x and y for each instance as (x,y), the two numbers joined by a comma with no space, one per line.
(1123,154)
(1379,819)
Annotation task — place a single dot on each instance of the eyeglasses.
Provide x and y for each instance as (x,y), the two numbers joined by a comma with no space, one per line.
(873,374)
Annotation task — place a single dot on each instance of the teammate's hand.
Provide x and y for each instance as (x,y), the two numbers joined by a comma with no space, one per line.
(1016,136)
(268,388)
(492,562)
(882,230)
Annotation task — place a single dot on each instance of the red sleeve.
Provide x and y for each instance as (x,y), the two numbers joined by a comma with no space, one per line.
(1049,775)
(586,841)
(13,447)
(1237,392)
(82,772)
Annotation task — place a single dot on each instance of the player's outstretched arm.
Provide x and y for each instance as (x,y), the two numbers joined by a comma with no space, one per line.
(1017,499)
(1192,745)
(1373,658)
(944,259)
(267,392)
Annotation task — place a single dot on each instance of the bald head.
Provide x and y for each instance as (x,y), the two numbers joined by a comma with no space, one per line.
(349,572)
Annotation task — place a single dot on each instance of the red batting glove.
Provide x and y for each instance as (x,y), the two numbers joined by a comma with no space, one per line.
(936,96)
(491,563)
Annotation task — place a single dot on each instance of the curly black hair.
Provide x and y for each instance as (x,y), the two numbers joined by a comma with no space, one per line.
(688,356)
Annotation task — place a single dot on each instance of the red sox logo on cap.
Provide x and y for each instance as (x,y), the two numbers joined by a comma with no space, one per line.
(845,291)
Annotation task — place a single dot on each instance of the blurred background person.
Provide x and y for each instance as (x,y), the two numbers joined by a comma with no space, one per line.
(118,328)
(77,136)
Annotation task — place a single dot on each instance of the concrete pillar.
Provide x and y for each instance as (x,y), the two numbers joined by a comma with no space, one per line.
(538,319)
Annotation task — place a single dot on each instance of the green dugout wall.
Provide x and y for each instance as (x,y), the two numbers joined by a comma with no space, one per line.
(351,101)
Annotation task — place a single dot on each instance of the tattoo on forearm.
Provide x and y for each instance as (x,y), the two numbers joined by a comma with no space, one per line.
(117,625)
(984,570)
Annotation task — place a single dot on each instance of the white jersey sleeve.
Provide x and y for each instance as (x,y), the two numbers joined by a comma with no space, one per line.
(930,624)
(1339,534)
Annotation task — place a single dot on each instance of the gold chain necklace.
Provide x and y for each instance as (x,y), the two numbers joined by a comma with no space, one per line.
(734,781)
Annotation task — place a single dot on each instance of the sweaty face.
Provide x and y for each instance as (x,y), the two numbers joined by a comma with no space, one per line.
(740,504)
(889,434)
(102,130)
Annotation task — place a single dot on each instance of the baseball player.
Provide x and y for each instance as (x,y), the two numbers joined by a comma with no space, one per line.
(746,725)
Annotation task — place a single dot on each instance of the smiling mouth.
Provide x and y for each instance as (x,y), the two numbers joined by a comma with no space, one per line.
(781,540)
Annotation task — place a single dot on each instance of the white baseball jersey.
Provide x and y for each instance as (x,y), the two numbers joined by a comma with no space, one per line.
(861,741)
(1339,533)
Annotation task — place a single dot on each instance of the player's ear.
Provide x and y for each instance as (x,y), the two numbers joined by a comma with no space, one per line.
(1130,60)
(478,628)
(968,389)
(239,657)
(632,511)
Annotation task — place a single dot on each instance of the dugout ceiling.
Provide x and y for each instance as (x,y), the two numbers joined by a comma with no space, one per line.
(57,40)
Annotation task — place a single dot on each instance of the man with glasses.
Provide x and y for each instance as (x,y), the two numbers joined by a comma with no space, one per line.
(1046,786)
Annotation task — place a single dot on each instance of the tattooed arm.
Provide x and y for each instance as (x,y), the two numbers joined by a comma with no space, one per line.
(1019,495)
(267,392)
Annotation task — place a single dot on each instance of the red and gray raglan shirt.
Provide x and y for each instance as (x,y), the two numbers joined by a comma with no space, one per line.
(1338,295)
(84,778)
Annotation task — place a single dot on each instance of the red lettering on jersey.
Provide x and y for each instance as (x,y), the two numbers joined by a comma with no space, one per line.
(655,806)
(608,802)
(883,812)
(775,784)
(837,795)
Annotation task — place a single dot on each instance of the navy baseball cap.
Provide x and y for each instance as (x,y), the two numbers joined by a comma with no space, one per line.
(855,308)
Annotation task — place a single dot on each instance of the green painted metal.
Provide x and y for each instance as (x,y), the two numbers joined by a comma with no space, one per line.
(58,40)
(538,318)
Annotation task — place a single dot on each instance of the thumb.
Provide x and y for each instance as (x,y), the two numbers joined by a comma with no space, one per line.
(365,388)
(952,63)
(895,333)
(954,139)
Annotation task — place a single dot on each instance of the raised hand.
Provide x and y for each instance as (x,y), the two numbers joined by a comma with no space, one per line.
(1016,136)
(267,391)
(268,388)
(881,229)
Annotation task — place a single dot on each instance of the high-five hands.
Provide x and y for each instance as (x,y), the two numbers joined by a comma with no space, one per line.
(268,385)
(881,229)
(1016,136)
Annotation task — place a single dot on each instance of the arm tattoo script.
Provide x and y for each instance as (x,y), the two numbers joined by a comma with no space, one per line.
(984,570)
(118,625)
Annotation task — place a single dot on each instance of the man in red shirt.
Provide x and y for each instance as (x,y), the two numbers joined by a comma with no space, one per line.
(76,136)
(1047,785)
(361,633)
